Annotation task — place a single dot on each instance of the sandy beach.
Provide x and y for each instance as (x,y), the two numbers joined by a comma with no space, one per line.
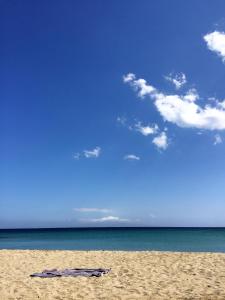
(134,275)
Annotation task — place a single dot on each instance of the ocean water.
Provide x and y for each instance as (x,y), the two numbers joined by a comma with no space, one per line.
(164,239)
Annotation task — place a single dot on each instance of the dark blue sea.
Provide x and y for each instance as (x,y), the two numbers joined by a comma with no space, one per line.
(163,239)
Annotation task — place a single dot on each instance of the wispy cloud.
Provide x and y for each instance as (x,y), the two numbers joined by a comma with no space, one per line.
(216,43)
(91,210)
(161,141)
(221,104)
(121,120)
(152,216)
(217,139)
(76,156)
(131,157)
(138,126)
(109,219)
(146,130)
(88,153)
(92,153)
(177,79)
(182,110)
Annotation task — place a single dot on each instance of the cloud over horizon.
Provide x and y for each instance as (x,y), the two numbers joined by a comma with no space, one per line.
(92,209)
(108,219)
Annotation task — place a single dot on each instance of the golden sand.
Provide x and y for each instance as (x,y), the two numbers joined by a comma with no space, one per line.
(134,275)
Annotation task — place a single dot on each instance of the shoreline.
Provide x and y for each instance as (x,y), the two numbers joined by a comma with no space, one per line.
(134,275)
(116,251)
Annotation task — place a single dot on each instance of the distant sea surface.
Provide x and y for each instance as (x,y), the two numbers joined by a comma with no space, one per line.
(131,239)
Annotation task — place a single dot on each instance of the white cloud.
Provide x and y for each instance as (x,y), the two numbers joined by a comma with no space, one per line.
(139,85)
(161,141)
(177,79)
(216,42)
(109,219)
(76,156)
(92,153)
(217,139)
(129,77)
(183,110)
(131,157)
(91,209)
(146,130)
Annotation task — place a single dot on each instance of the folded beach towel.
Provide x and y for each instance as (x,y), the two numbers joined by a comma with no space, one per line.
(71,272)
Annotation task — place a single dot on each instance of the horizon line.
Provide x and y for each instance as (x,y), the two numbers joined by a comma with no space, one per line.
(116,227)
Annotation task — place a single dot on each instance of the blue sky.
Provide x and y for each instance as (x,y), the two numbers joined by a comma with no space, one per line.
(112,113)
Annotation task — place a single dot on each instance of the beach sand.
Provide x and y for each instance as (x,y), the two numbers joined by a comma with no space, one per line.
(134,275)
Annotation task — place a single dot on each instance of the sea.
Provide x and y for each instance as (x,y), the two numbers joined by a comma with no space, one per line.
(129,239)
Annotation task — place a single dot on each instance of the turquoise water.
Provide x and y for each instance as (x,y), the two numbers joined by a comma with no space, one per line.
(165,239)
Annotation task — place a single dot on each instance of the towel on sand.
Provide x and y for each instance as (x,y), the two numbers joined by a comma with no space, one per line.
(71,272)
